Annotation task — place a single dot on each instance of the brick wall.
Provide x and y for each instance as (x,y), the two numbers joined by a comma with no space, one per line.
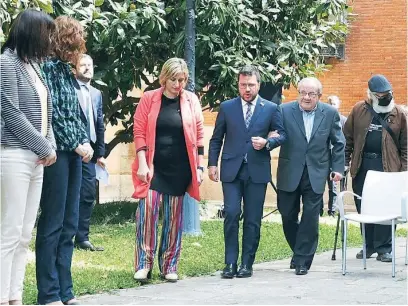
(377,43)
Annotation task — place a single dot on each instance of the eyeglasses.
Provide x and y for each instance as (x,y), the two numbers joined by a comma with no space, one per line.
(244,85)
(310,94)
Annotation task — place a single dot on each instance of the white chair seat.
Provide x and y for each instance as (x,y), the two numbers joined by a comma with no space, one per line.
(385,220)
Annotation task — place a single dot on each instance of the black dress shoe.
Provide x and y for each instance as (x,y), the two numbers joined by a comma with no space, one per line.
(301,270)
(229,271)
(292,264)
(244,271)
(71,302)
(87,246)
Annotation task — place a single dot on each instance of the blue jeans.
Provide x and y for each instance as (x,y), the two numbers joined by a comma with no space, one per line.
(56,228)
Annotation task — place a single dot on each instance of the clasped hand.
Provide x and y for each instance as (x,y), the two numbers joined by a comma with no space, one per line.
(85,151)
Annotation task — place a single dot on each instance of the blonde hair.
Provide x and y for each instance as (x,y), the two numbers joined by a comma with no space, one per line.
(171,68)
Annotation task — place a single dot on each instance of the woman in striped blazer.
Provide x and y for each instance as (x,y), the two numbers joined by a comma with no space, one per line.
(27,143)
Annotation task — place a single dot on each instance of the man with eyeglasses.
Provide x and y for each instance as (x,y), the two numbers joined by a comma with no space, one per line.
(242,128)
(304,164)
(376,139)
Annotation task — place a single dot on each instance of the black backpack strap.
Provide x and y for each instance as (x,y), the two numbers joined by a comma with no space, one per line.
(384,125)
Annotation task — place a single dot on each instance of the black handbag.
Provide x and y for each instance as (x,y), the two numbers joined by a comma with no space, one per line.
(385,126)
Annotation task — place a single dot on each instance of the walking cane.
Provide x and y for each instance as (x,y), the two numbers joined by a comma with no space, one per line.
(276,190)
(343,186)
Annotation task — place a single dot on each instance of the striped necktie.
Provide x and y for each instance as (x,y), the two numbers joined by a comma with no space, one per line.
(248,114)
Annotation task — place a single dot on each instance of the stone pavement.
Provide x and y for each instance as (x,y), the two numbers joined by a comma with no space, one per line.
(274,283)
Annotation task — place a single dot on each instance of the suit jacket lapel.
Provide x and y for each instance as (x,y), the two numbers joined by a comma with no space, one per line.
(239,112)
(319,116)
(297,114)
(258,109)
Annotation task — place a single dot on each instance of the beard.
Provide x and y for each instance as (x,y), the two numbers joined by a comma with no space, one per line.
(378,108)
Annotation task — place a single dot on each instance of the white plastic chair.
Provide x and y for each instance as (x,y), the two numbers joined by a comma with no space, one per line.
(384,201)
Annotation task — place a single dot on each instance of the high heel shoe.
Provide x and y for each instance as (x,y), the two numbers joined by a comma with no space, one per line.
(143,275)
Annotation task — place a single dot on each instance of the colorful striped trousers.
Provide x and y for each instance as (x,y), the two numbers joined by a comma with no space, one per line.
(147,216)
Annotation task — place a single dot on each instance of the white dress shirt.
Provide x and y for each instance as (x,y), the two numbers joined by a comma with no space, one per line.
(308,121)
(245,106)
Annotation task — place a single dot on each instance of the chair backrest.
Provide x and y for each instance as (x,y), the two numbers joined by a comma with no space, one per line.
(382,193)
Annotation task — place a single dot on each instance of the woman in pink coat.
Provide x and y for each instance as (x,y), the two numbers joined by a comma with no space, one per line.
(168,134)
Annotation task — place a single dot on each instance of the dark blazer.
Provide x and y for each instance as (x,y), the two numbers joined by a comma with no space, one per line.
(296,152)
(96,97)
(230,131)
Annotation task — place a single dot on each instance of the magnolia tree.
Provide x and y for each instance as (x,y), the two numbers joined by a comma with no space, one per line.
(130,40)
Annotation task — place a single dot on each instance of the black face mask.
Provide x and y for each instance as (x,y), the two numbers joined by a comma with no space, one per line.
(385,100)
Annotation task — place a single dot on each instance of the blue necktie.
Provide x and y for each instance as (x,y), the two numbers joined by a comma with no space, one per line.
(248,116)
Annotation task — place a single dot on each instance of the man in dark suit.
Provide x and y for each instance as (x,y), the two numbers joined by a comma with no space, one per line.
(90,100)
(304,164)
(242,126)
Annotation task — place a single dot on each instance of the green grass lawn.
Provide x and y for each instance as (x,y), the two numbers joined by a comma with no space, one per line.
(95,272)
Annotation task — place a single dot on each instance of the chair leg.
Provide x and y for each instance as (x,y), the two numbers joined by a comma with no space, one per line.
(393,247)
(364,246)
(406,250)
(344,248)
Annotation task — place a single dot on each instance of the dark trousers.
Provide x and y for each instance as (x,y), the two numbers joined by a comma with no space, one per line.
(253,196)
(86,201)
(378,237)
(302,237)
(56,228)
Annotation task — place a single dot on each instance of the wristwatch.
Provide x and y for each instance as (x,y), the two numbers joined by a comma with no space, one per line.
(200,168)
(267,146)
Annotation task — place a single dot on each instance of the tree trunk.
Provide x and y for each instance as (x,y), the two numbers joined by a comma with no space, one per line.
(191,209)
(189,50)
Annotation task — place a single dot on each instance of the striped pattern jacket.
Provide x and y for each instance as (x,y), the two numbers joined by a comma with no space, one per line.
(21,108)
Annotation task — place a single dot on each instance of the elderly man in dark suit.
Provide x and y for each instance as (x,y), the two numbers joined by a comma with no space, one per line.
(242,126)
(304,164)
(90,100)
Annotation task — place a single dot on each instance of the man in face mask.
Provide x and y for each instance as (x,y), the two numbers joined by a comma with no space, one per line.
(370,146)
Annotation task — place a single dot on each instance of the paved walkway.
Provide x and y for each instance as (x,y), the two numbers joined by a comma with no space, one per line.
(274,283)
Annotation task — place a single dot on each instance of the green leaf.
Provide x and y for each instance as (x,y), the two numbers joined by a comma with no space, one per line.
(121,32)
(46,5)
(249,55)
(100,82)
(98,3)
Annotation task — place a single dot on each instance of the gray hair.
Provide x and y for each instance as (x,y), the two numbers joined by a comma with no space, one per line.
(333,98)
(313,80)
(86,56)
